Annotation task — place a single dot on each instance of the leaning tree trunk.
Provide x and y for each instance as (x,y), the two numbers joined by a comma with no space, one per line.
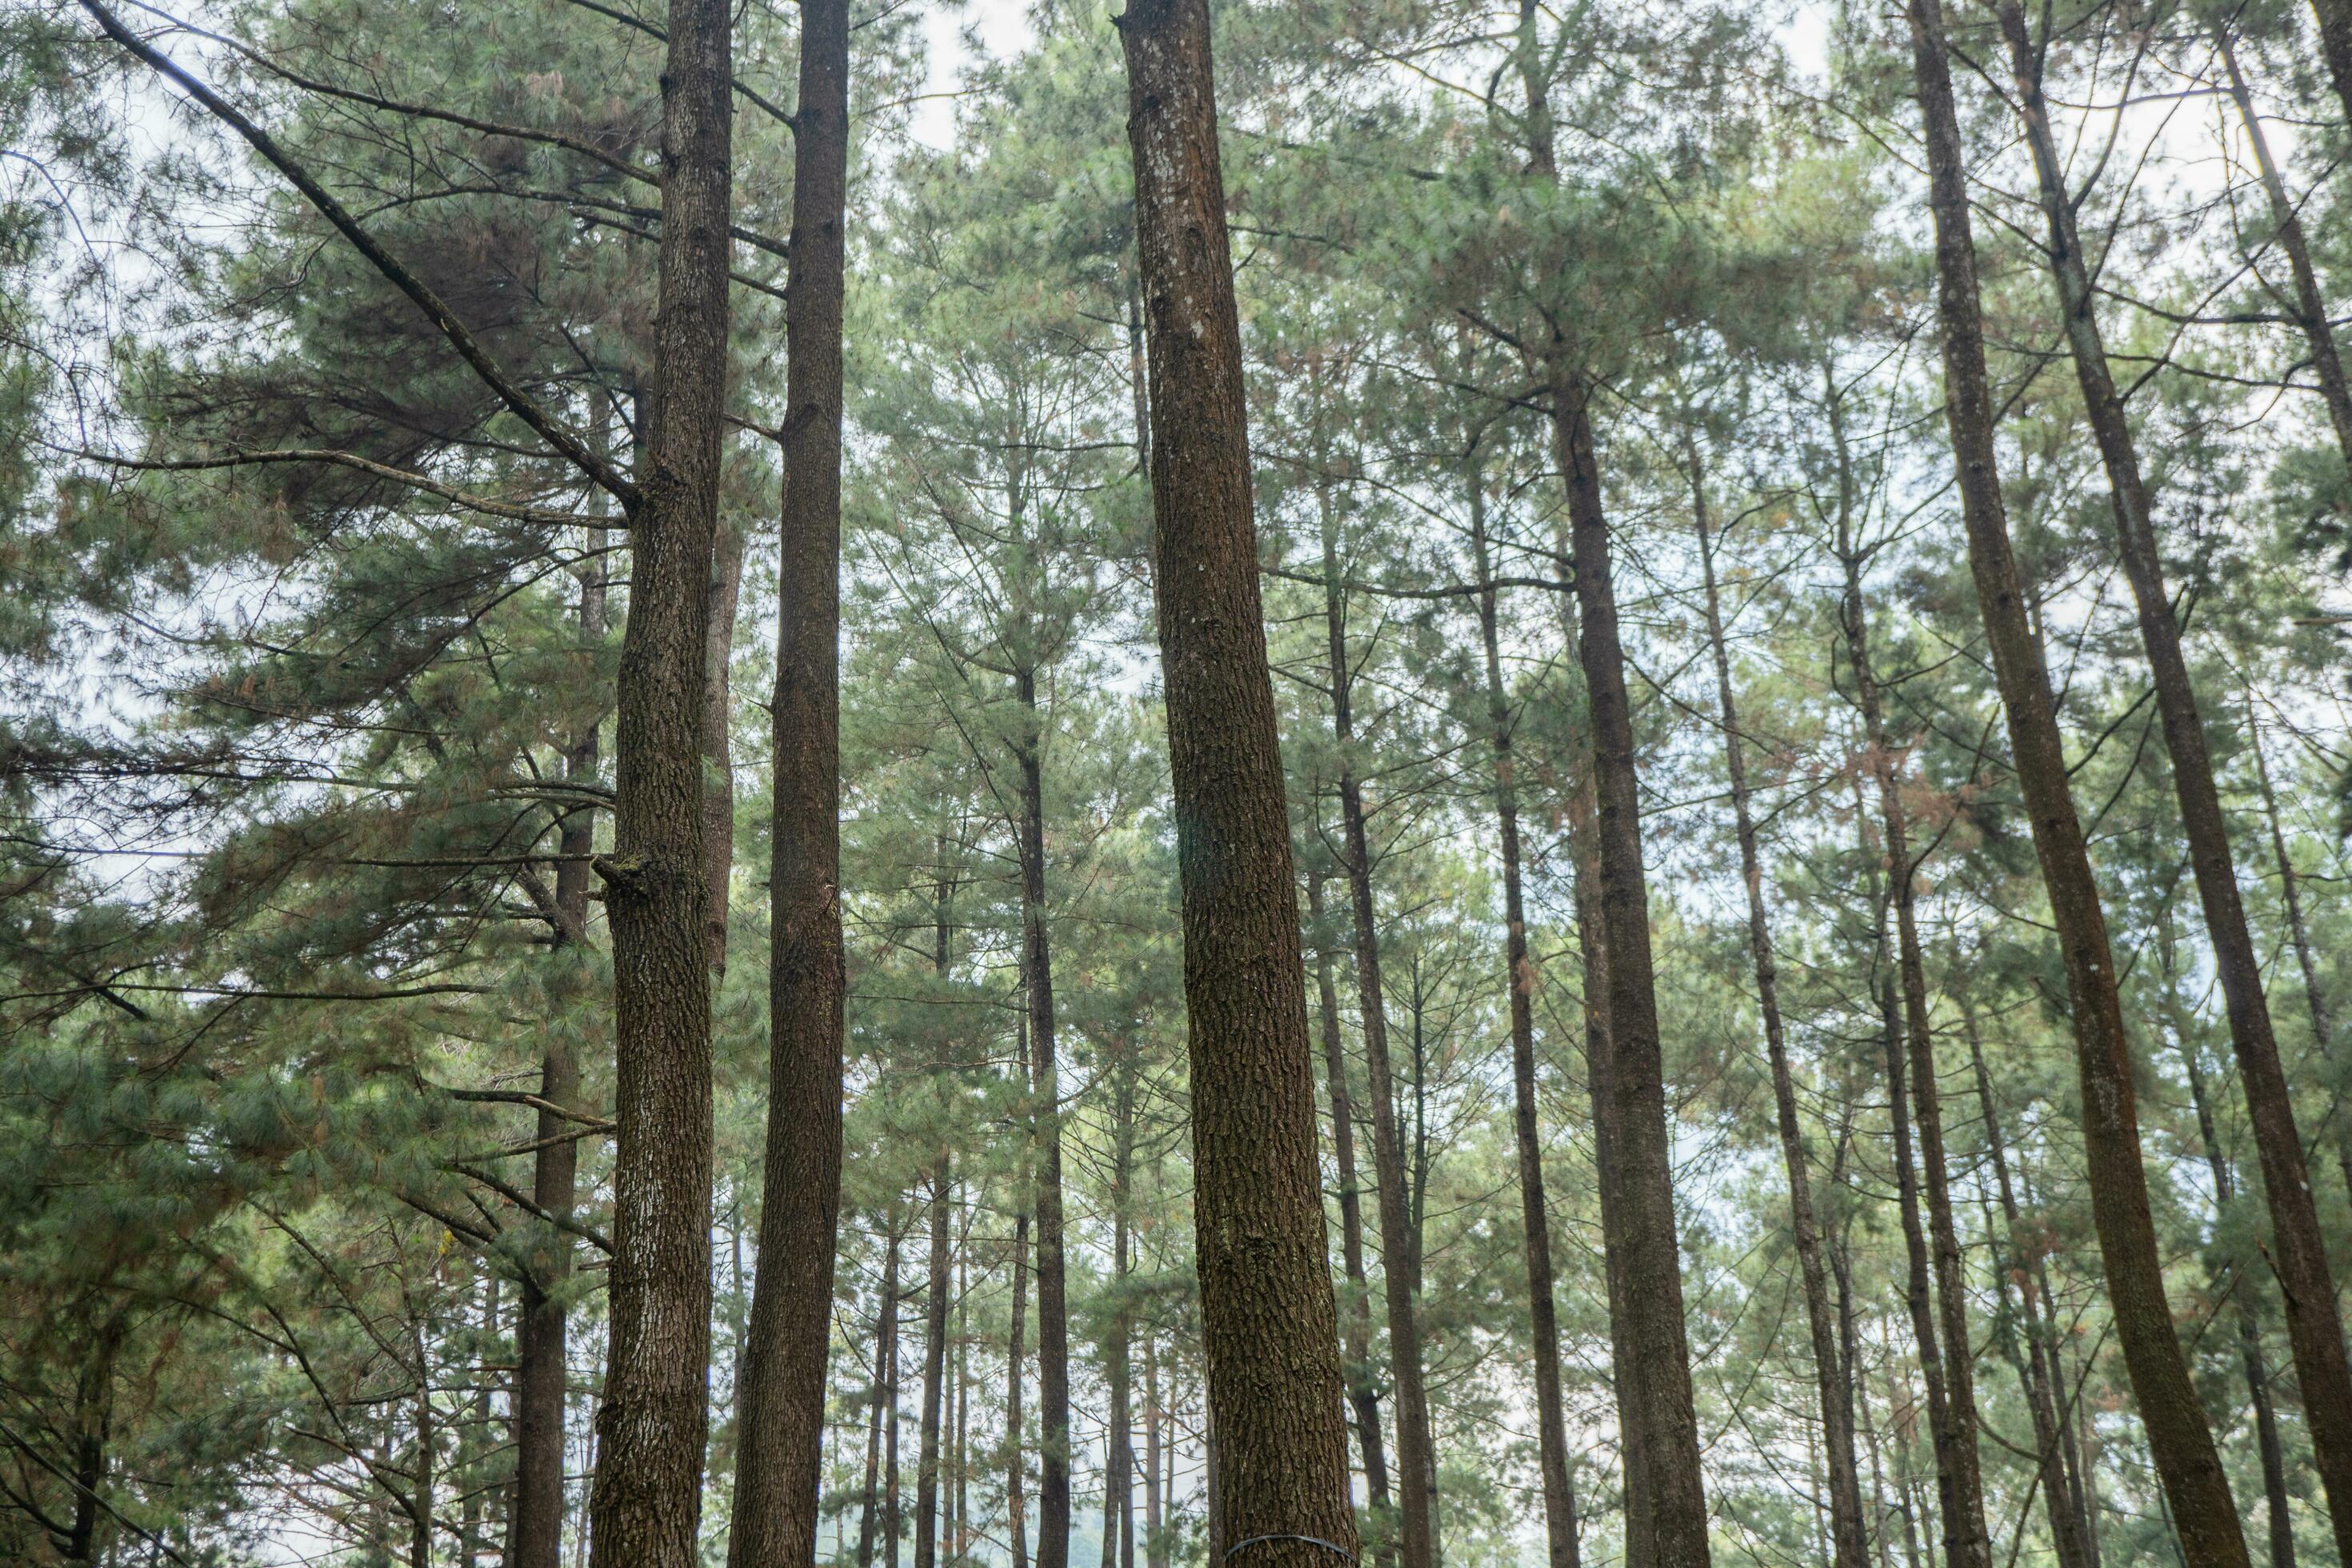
(2315,1327)
(1416,1457)
(1269,1328)
(782,1397)
(1951,1385)
(1519,976)
(647,1499)
(2180,1439)
(1363,1393)
(1849,1546)
(1648,1241)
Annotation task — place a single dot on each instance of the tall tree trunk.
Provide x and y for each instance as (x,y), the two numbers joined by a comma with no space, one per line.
(1648,1239)
(782,1399)
(1118,1484)
(2179,1438)
(2310,304)
(1416,1458)
(2219,1268)
(1519,977)
(1951,1385)
(1848,1547)
(935,1369)
(535,1517)
(1270,1330)
(963,1535)
(1045,1119)
(2322,1024)
(2334,18)
(892,1519)
(1015,1473)
(2052,1436)
(1155,1543)
(2315,1327)
(647,1499)
(886,1336)
(1363,1393)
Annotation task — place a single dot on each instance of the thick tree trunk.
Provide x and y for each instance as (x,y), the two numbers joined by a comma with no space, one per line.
(935,1369)
(1519,976)
(1363,1392)
(1951,1379)
(2179,1438)
(2298,1254)
(647,1499)
(1648,1239)
(782,1399)
(1269,1327)
(1848,1546)
(1416,1457)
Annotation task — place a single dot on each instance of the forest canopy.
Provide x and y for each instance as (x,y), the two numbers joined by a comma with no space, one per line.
(914,785)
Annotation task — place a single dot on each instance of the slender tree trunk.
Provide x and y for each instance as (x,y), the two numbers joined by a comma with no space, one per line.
(1270,1331)
(718,711)
(885,1328)
(935,1369)
(647,1499)
(1951,1385)
(2310,304)
(782,1402)
(1015,1474)
(2180,1439)
(1155,1543)
(2334,18)
(1118,1486)
(2219,1268)
(2298,1254)
(1363,1393)
(893,1522)
(2061,1491)
(963,1535)
(1648,1238)
(1415,1532)
(535,1517)
(1848,1549)
(1053,1312)
(1519,976)
(2323,1025)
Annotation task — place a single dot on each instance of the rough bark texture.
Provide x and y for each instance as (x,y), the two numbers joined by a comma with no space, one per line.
(647,1497)
(1363,1392)
(2180,1439)
(1269,1327)
(782,1400)
(1519,976)
(1399,1229)
(1848,1545)
(1649,1238)
(2315,1327)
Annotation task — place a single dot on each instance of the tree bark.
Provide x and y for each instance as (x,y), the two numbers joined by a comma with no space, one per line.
(782,1401)
(647,1499)
(2180,1439)
(2334,18)
(885,1332)
(935,1368)
(1415,1457)
(1951,1379)
(1270,1330)
(1363,1393)
(1155,1544)
(726,593)
(1118,1484)
(2298,1254)
(1847,1544)
(1648,1237)
(1015,1474)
